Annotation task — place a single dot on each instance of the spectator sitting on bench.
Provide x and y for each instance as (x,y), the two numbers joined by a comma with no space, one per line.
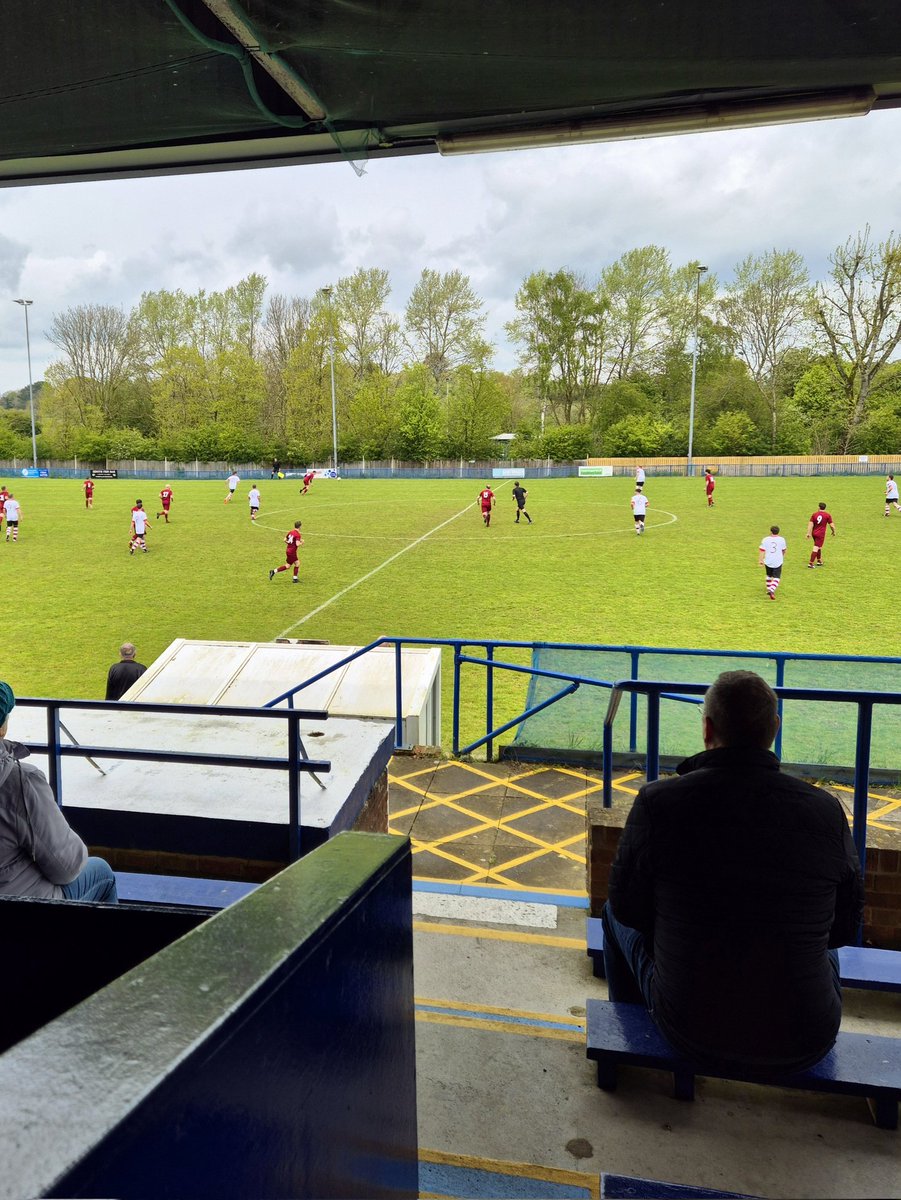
(729,886)
(40,854)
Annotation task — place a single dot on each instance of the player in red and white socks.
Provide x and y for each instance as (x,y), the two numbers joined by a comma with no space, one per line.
(12,510)
(772,555)
(816,529)
(639,505)
(293,542)
(139,521)
(891,494)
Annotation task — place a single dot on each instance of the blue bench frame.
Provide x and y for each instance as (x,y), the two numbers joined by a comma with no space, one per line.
(860,966)
(859,1064)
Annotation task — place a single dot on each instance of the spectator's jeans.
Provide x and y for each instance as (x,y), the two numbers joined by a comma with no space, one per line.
(628,966)
(96,882)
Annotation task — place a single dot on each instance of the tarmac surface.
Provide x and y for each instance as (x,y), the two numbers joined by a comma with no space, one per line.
(508,1102)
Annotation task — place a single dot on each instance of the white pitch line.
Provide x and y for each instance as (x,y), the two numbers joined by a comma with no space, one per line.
(369,574)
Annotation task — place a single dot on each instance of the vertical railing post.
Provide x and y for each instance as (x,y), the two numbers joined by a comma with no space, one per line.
(54,758)
(862,780)
(608,764)
(398,697)
(489,702)
(293,789)
(652,758)
(633,706)
(456,727)
(780,682)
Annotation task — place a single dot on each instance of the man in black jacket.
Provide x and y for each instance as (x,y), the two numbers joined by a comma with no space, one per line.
(730,885)
(124,673)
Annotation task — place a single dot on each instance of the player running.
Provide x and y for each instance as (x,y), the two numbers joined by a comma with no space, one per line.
(772,555)
(4,494)
(88,486)
(891,494)
(139,521)
(816,529)
(639,506)
(486,503)
(308,478)
(709,485)
(12,510)
(293,542)
(519,495)
(233,480)
(166,501)
(253,499)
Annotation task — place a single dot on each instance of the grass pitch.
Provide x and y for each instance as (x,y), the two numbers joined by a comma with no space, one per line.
(412,558)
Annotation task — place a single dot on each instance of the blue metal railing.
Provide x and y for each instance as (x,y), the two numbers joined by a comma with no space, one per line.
(656,690)
(296,763)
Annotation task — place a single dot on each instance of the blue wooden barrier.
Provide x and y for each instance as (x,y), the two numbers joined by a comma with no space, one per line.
(180,890)
(269,1052)
(859,1064)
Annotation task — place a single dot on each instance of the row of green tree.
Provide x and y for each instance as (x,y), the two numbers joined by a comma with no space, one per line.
(782,365)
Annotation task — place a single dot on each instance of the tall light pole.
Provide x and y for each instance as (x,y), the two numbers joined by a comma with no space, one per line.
(34,440)
(327,292)
(694,365)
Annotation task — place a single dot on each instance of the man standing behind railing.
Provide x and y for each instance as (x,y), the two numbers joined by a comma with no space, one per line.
(40,854)
(730,885)
(124,673)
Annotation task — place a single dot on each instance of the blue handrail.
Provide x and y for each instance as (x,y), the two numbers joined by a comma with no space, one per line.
(657,689)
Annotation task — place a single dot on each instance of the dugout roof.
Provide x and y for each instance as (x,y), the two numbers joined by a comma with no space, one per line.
(105,88)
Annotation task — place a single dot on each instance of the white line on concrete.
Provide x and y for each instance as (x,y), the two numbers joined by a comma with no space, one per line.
(375,570)
(495,912)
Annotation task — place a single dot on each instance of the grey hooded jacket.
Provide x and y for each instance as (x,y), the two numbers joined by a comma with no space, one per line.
(39,851)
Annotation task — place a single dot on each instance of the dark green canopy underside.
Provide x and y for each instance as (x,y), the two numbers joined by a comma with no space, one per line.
(98,88)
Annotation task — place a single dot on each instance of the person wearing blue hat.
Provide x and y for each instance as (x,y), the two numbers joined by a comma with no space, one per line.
(40,853)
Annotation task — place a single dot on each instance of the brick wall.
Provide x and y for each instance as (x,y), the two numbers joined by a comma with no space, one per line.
(882,912)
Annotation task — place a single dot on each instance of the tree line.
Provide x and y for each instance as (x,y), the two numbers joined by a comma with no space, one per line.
(784,365)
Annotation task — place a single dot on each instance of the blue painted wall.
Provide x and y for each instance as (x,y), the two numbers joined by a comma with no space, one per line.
(269,1052)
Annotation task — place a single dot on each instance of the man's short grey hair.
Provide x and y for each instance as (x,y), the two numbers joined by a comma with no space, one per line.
(127,650)
(743,709)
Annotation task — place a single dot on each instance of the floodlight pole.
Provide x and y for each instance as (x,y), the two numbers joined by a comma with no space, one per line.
(34,440)
(694,366)
(327,292)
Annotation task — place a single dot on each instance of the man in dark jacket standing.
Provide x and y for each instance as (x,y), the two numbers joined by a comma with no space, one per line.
(124,673)
(730,885)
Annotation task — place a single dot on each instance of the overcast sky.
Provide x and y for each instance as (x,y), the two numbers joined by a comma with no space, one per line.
(496,217)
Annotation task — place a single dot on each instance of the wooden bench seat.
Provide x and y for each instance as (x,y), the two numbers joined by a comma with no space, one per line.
(859,966)
(180,890)
(859,1064)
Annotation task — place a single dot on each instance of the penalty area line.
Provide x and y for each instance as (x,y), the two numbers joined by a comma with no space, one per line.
(375,570)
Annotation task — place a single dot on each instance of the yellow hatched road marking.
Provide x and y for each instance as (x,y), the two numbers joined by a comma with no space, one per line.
(515,885)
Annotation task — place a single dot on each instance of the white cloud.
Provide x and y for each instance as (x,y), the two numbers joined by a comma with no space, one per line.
(714,197)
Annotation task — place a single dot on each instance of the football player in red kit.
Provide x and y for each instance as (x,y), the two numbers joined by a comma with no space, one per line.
(307,480)
(709,485)
(486,502)
(816,529)
(293,542)
(166,501)
(88,486)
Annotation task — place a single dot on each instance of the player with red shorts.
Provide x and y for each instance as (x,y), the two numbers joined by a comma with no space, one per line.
(293,542)
(3,496)
(816,529)
(709,485)
(486,502)
(88,486)
(307,480)
(166,501)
